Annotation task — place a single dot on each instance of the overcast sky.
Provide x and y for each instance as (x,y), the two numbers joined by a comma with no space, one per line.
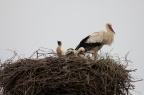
(26,25)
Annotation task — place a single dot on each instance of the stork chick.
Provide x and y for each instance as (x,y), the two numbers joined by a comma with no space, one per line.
(96,40)
(75,53)
(59,50)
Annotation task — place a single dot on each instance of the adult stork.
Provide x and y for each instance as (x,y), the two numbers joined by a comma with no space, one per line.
(96,40)
(59,50)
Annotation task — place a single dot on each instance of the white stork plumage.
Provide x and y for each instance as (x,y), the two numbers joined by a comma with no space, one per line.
(59,50)
(96,40)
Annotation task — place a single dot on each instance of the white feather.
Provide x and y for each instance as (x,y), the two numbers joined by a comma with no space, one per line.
(96,37)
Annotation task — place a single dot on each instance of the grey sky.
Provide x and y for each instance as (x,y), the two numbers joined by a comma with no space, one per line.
(26,25)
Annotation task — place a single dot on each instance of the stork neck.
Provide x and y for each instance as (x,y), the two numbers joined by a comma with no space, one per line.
(59,45)
(108,30)
(109,36)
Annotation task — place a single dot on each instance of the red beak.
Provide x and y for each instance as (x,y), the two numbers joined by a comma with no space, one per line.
(111,29)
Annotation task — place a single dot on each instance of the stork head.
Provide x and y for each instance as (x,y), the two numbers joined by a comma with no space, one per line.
(109,26)
(59,43)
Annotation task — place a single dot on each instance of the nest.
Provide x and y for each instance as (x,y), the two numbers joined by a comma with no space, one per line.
(65,76)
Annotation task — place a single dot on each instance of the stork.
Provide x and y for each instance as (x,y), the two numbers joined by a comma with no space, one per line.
(59,50)
(75,53)
(96,40)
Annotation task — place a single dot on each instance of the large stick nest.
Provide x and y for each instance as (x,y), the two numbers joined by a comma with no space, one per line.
(65,76)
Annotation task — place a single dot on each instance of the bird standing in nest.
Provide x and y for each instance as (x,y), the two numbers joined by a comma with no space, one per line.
(59,50)
(96,40)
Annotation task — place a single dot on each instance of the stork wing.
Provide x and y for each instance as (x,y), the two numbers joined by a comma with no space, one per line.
(91,41)
(96,37)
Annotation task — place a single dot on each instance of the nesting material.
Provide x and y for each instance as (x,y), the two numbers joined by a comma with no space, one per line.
(65,76)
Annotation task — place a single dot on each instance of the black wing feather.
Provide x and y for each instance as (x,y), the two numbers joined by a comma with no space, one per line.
(87,46)
(82,43)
